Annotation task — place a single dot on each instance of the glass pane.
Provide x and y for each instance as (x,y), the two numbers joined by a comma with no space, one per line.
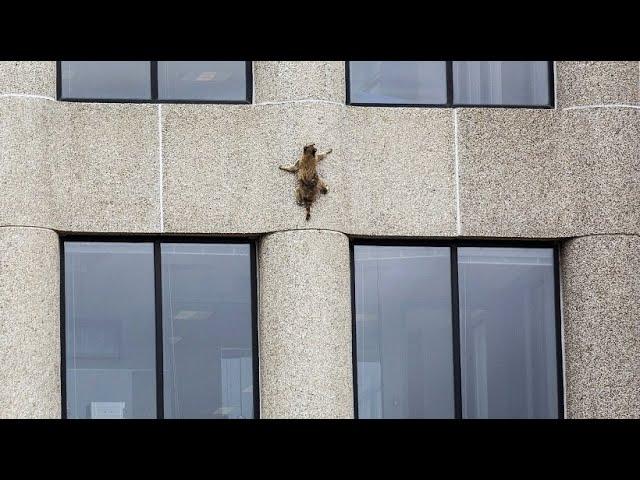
(508,333)
(398,82)
(202,81)
(106,80)
(110,330)
(403,332)
(207,330)
(501,83)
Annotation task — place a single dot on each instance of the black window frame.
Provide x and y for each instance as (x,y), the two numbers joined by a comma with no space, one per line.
(153,65)
(157,240)
(450,103)
(455,307)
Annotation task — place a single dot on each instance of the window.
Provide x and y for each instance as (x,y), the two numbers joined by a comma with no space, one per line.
(399,83)
(450,84)
(134,81)
(456,332)
(159,330)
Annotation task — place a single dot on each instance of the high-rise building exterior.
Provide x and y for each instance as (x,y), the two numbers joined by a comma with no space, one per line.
(477,253)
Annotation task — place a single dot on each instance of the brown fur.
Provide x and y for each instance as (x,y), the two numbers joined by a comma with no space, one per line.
(309,182)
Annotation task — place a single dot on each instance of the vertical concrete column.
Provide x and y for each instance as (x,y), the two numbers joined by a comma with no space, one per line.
(601,306)
(305,325)
(29,323)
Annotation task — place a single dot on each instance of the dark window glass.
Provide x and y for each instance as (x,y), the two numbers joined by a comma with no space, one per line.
(110,330)
(501,83)
(398,82)
(213,81)
(106,80)
(403,332)
(508,333)
(207,329)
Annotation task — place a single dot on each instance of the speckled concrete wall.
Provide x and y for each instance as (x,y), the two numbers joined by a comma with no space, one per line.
(601,297)
(305,325)
(29,323)
(570,171)
(28,78)
(597,83)
(287,81)
(549,173)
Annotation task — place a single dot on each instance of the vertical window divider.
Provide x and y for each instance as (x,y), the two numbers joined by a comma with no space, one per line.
(154,80)
(159,343)
(449,71)
(455,330)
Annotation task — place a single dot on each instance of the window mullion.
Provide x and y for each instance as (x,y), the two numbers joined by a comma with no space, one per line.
(159,342)
(154,80)
(449,83)
(455,331)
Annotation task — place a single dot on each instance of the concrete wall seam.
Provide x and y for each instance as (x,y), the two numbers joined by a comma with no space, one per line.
(304,100)
(605,105)
(27,95)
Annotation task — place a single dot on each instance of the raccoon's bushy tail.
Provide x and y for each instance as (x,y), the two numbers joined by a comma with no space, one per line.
(308,205)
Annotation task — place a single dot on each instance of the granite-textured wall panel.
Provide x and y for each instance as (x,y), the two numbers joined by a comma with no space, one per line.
(510,179)
(283,81)
(391,171)
(28,78)
(29,323)
(221,167)
(401,171)
(106,168)
(600,151)
(305,325)
(546,173)
(601,292)
(25,162)
(597,83)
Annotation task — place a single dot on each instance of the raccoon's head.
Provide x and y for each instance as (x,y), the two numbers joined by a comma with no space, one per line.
(310,149)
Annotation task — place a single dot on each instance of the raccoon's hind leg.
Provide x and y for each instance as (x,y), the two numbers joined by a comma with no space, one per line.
(299,200)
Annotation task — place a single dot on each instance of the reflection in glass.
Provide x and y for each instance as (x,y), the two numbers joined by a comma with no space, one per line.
(508,336)
(213,81)
(110,330)
(106,80)
(207,330)
(501,83)
(403,332)
(398,82)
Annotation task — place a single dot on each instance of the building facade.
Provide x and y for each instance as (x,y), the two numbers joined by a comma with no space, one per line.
(160,175)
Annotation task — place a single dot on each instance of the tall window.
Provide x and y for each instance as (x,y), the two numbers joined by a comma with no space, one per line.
(176,341)
(456,332)
(450,84)
(140,81)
